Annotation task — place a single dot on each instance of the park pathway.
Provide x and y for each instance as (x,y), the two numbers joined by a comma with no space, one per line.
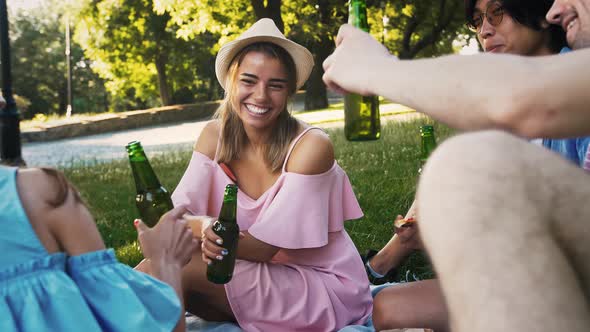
(159,139)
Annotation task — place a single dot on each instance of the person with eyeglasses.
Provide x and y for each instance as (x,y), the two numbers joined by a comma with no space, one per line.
(505,222)
(520,27)
(515,27)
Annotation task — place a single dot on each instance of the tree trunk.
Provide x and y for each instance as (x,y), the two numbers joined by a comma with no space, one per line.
(163,80)
(445,17)
(272,10)
(316,96)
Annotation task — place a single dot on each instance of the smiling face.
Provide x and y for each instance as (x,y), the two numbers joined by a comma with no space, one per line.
(574,17)
(261,90)
(508,36)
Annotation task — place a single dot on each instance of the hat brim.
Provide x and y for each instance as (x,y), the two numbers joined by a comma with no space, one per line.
(302,58)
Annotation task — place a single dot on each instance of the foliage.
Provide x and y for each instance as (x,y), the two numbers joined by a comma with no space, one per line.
(38,65)
(137,52)
(417,28)
(393,160)
(411,28)
(156,52)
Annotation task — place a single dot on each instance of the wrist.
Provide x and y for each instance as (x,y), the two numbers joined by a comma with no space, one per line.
(162,268)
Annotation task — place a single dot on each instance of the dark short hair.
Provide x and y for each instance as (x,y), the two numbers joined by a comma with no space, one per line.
(529,13)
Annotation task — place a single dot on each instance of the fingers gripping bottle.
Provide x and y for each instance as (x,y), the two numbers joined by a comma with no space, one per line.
(226,226)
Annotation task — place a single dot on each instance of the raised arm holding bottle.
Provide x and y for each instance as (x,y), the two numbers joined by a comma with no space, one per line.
(484,184)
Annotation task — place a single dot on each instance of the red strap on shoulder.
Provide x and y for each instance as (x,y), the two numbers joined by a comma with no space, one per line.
(228,172)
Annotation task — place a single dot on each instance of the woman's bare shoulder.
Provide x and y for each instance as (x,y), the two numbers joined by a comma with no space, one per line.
(56,213)
(208,139)
(313,154)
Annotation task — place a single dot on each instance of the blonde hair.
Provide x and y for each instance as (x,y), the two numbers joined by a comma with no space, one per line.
(233,135)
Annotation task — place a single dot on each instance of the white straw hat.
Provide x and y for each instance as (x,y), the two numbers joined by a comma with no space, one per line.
(264,30)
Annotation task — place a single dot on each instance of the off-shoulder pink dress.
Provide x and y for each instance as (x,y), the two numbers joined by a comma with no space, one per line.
(316,281)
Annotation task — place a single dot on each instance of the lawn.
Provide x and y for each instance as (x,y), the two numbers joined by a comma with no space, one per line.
(383,174)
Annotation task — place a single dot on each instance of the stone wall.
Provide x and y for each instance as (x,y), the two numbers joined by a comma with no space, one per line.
(121,121)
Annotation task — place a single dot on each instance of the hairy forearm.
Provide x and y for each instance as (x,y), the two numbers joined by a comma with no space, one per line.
(542,96)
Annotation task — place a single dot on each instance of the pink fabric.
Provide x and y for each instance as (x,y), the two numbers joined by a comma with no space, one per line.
(316,282)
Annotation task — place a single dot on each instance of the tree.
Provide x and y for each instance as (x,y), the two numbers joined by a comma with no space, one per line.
(417,28)
(227,19)
(314,25)
(38,64)
(133,49)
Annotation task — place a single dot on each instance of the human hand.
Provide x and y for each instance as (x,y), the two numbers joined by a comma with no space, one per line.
(212,244)
(356,56)
(408,233)
(170,241)
(197,223)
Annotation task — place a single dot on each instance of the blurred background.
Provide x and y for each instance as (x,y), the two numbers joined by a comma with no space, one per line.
(137,54)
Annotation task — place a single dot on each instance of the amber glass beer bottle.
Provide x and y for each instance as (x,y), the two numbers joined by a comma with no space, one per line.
(226,226)
(361,114)
(152,199)
(428,144)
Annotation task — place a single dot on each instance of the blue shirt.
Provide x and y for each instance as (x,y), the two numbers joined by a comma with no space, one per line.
(573,149)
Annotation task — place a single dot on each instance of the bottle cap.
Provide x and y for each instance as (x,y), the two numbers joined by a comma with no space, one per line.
(426,129)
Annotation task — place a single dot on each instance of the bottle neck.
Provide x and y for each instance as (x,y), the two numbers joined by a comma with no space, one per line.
(357,15)
(144,175)
(229,206)
(428,145)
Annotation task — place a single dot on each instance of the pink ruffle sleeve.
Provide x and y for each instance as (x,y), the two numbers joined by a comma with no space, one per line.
(305,208)
(201,188)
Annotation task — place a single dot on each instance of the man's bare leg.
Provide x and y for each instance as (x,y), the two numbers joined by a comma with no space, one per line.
(507,224)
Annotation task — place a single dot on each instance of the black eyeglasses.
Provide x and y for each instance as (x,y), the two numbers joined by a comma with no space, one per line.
(494,13)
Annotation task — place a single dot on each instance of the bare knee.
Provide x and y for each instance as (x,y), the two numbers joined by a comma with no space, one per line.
(472,169)
(468,154)
(384,313)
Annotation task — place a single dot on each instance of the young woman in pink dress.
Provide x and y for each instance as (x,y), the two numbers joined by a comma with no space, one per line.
(297,268)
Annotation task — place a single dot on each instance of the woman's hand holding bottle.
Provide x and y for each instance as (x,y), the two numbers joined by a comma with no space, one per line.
(169,242)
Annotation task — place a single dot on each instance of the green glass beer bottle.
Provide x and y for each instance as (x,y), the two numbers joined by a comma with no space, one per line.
(152,199)
(361,114)
(226,226)
(428,144)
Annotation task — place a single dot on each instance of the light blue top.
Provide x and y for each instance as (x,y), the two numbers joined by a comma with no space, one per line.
(54,292)
(574,149)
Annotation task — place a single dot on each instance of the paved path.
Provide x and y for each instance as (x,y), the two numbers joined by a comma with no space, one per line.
(157,139)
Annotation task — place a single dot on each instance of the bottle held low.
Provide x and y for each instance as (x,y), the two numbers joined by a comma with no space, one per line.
(226,227)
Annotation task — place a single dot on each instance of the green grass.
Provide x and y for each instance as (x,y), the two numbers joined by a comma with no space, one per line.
(383,174)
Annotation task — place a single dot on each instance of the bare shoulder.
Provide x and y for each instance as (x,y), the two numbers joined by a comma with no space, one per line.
(313,154)
(56,213)
(207,141)
(36,189)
